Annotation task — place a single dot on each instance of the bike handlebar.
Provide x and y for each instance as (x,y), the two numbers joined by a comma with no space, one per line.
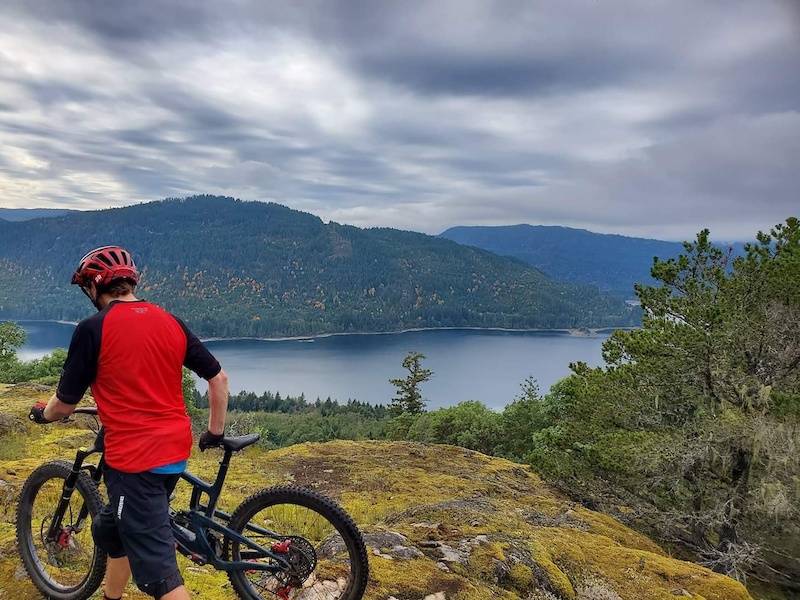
(85,410)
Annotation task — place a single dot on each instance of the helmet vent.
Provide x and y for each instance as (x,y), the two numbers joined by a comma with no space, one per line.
(104,259)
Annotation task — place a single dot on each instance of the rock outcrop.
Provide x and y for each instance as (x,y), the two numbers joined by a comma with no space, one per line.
(441,522)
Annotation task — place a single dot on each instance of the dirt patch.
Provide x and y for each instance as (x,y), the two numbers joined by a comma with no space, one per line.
(454,511)
(328,477)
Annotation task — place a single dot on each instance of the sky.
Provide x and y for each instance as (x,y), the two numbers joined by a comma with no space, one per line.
(653,118)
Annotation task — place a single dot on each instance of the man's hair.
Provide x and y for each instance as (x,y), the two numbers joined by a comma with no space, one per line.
(117,288)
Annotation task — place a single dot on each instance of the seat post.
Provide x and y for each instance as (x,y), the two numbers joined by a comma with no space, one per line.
(216,489)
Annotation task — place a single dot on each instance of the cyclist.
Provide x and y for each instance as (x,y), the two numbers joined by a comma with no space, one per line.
(131,354)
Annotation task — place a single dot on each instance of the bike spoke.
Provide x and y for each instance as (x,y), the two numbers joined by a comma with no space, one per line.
(67,559)
(321,566)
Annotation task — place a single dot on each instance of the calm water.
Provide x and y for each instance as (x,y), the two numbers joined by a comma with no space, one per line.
(488,366)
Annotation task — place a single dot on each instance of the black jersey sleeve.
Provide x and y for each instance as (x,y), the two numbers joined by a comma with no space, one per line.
(80,367)
(198,358)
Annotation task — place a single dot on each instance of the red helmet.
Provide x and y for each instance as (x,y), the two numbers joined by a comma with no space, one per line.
(103,265)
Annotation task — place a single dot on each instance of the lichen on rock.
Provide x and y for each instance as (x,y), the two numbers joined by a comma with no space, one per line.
(440,522)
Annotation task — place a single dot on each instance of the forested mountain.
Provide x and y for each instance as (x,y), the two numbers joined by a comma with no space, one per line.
(25,214)
(234,268)
(611,262)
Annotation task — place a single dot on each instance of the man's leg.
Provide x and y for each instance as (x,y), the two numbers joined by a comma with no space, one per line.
(106,536)
(118,573)
(179,593)
(140,506)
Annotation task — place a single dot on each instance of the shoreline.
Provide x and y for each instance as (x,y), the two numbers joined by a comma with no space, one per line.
(467,374)
(577,332)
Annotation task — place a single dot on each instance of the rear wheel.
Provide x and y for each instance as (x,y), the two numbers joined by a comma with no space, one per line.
(70,567)
(321,543)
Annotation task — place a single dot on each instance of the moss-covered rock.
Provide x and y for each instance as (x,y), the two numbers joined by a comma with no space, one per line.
(440,521)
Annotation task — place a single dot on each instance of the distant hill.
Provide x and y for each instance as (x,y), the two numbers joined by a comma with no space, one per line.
(26,214)
(611,262)
(234,268)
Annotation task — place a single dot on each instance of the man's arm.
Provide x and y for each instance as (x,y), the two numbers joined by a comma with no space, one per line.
(203,363)
(217,402)
(57,410)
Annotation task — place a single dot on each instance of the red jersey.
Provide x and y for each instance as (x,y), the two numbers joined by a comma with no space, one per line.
(132,354)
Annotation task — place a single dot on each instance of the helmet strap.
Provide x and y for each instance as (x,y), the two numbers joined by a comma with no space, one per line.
(94,300)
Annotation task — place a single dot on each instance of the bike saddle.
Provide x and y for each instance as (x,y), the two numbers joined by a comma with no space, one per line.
(238,442)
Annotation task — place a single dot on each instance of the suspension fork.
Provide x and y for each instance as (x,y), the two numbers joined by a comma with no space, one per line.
(54,531)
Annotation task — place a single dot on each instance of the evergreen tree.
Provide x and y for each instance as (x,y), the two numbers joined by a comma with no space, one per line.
(409,399)
(12,336)
(189,392)
(694,422)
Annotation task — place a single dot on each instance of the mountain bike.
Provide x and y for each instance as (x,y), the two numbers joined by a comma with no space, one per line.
(284,542)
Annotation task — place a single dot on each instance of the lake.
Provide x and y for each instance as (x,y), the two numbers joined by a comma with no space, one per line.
(483,365)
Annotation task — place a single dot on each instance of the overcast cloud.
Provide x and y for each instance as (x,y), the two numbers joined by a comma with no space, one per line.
(653,118)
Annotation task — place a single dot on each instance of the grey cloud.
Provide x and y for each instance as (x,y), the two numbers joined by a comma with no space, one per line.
(497,76)
(465,46)
(125,22)
(513,47)
(47,93)
(738,174)
(659,116)
(196,113)
(735,177)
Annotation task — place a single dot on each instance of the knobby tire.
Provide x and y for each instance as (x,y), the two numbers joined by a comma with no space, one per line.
(74,569)
(308,520)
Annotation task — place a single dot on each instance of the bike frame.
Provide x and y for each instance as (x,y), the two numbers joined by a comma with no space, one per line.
(202,518)
(193,542)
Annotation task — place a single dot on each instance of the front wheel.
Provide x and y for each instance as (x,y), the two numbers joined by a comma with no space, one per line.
(70,566)
(324,548)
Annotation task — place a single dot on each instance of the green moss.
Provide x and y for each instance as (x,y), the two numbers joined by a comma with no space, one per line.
(558,580)
(606,525)
(631,570)
(521,577)
(12,446)
(430,494)
(411,579)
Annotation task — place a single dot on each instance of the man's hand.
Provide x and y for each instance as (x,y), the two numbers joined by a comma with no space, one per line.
(210,440)
(37,414)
